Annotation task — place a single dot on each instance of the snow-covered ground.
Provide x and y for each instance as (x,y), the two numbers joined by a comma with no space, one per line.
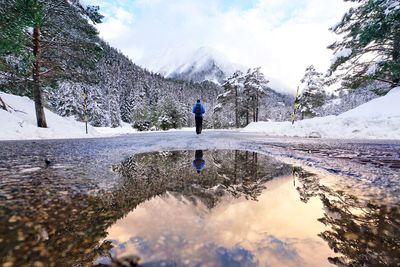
(377,119)
(19,123)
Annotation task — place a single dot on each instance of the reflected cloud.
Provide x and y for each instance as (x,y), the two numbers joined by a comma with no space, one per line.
(211,221)
(245,209)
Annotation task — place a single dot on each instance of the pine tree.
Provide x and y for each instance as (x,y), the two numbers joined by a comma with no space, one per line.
(141,117)
(51,45)
(113,107)
(370,45)
(97,113)
(233,87)
(170,115)
(313,94)
(69,100)
(255,87)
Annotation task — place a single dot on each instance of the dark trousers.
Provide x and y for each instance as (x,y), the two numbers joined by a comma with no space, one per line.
(199,124)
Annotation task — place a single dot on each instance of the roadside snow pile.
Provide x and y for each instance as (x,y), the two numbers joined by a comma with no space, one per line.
(376,119)
(19,123)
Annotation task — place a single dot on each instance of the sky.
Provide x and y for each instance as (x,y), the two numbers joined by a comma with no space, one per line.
(281,36)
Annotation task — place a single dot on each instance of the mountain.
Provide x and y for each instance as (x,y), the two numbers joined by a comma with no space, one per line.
(203,64)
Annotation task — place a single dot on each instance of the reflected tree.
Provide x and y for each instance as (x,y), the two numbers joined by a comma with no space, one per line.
(360,232)
(237,173)
(55,219)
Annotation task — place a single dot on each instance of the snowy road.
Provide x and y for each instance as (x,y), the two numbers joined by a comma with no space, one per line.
(68,195)
(376,162)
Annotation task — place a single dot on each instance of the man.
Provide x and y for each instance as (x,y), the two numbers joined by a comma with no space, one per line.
(198,111)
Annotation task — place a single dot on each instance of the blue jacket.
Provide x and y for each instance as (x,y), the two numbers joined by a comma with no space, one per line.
(203,110)
(198,164)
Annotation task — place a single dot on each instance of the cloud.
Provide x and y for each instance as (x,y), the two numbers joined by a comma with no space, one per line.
(281,36)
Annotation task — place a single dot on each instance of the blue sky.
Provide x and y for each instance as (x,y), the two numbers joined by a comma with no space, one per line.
(240,4)
(281,36)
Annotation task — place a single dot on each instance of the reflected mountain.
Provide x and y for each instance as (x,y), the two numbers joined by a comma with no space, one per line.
(240,210)
(238,173)
(58,218)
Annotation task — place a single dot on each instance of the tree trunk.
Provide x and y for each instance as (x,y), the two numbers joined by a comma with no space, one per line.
(236,108)
(254,110)
(37,90)
(257,104)
(396,56)
(254,114)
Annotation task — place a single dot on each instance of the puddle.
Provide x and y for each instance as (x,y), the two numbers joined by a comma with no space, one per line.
(194,208)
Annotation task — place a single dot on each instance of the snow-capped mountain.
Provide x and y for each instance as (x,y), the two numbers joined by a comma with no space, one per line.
(202,64)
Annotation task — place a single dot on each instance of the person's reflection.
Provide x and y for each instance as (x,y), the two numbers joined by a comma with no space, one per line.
(198,162)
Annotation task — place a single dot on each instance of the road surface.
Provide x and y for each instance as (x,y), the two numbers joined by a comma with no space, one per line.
(59,198)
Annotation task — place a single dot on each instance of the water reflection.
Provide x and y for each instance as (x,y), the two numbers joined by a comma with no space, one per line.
(238,173)
(164,212)
(208,220)
(198,162)
(364,233)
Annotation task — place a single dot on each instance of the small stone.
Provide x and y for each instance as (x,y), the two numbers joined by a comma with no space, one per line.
(38,264)
(14,219)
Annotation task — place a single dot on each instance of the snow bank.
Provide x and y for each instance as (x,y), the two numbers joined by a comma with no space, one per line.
(377,119)
(386,106)
(19,123)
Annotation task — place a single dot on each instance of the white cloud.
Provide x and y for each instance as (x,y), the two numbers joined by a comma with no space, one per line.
(282,36)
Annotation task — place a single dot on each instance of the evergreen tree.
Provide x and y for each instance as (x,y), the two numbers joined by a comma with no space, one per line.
(96,111)
(170,115)
(370,45)
(313,94)
(141,117)
(255,87)
(113,107)
(233,87)
(41,35)
(69,100)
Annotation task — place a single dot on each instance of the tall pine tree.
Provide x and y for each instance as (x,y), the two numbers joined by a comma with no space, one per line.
(255,87)
(43,36)
(233,87)
(313,94)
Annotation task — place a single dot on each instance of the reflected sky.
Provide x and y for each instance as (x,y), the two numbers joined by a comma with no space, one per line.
(242,209)
(275,230)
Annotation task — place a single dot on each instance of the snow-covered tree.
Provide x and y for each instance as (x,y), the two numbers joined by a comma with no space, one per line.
(40,32)
(233,87)
(370,45)
(141,117)
(69,100)
(170,116)
(97,112)
(313,93)
(254,88)
(113,107)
